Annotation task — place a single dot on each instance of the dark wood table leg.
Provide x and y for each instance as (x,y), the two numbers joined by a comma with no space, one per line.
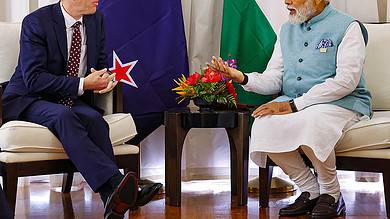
(265,178)
(386,185)
(239,154)
(174,139)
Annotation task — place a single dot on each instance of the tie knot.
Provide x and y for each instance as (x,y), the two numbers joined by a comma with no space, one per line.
(77,24)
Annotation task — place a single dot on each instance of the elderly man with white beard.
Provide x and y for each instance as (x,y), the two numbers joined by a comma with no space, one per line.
(317,66)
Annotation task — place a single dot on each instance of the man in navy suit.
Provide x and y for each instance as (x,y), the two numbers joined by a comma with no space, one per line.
(5,212)
(53,85)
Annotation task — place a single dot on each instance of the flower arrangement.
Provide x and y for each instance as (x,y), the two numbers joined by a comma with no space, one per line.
(209,85)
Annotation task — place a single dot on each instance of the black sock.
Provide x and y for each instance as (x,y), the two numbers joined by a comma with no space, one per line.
(105,191)
(115,180)
(108,187)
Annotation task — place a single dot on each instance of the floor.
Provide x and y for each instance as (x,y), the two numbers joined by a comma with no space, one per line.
(200,199)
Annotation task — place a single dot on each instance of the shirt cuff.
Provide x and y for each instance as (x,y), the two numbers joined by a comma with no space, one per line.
(300,103)
(81,85)
(249,83)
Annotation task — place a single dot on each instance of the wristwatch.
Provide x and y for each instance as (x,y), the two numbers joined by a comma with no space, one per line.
(293,107)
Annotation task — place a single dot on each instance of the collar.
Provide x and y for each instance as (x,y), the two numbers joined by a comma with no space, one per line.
(69,20)
(321,16)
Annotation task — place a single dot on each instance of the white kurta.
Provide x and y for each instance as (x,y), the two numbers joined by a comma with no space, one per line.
(316,124)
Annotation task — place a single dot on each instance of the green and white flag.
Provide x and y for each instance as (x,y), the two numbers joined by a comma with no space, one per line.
(235,27)
(249,38)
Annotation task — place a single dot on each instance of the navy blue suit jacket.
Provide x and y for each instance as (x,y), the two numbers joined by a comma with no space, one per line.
(42,64)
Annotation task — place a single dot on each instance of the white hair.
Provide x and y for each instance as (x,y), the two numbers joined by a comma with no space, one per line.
(303,13)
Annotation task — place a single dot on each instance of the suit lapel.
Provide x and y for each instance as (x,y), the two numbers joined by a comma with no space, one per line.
(91,41)
(60,30)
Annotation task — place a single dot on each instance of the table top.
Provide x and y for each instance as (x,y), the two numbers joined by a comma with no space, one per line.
(191,118)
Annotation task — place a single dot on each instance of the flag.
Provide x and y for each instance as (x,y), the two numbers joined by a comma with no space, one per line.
(248,37)
(146,47)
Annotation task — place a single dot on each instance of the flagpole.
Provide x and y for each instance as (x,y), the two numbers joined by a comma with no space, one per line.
(382,10)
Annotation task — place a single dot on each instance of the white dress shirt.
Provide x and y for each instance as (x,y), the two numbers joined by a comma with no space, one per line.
(69,21)
(350,60)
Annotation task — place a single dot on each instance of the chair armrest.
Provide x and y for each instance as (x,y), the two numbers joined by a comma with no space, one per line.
(118,98)
(110,102)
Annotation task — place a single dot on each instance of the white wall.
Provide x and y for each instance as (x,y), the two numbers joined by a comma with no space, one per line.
(16,10)
(275,11)
(13,11)
(46,2)
(364,10)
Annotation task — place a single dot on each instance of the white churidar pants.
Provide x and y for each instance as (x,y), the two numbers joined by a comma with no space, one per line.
(293,165)
(316,129)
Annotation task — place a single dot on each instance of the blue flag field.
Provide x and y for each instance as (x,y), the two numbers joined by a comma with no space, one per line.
(146,48)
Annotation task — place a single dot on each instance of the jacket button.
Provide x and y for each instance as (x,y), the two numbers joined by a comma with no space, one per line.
(308,29)
(299,78)
(300,60)
(306,44)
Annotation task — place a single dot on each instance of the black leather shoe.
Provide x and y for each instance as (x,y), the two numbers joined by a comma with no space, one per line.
(123,198)
(302,205)
(146,194)
(326,207)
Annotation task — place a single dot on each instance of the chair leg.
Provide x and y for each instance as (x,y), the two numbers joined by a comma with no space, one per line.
(265,178)
(10,183)
(67,205)
(386,185)
(134,165)
(138,164)
(67,181)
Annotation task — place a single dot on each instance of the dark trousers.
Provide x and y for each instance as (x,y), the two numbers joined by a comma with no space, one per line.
(5,212)
(84,134)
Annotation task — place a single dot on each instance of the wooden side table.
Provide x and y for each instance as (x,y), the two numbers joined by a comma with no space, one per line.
(177,125)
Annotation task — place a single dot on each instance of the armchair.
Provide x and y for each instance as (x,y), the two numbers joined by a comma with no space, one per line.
(28,149)
(366,145)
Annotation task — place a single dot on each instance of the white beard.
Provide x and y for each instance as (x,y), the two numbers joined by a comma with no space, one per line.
(302,14)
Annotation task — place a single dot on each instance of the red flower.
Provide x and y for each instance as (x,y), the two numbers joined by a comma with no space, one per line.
(212,77)
(205,80)
(231,89)
(193,79)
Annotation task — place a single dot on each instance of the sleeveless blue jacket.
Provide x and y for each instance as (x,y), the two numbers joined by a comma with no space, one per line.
(310,57)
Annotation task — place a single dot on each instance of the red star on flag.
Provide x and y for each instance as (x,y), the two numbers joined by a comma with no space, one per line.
(123,70)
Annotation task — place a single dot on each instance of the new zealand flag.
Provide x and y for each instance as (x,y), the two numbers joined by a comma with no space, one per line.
(146,48)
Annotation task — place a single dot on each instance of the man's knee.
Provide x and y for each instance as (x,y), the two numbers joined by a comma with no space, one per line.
(95,118)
